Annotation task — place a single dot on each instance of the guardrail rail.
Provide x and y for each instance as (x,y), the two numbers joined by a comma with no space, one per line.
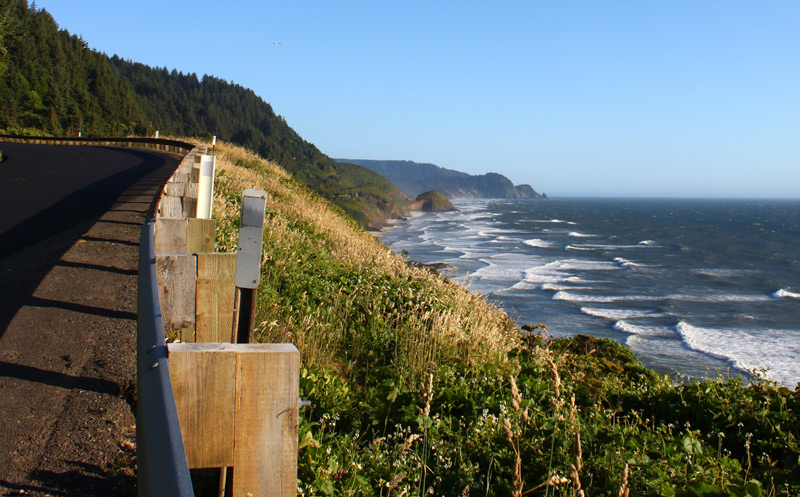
(232,406)
(163,469)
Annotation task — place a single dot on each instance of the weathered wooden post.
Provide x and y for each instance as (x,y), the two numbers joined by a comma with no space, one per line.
(248,264)
(238,409)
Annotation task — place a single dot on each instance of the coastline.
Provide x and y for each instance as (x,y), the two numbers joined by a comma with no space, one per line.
(422,387)
(683,345)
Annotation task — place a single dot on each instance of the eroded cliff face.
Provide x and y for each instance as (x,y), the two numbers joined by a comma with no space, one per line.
(415,178)
(432,201)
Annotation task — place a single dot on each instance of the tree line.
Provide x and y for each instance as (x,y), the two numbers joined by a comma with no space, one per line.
(52,83)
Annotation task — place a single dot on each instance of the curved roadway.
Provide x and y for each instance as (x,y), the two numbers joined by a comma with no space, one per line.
(70,220)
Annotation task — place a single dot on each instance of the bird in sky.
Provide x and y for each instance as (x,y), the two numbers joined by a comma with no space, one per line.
(277,43)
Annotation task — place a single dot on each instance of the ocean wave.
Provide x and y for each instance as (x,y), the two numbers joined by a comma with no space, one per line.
(553,221)
(749,350)
(618,314)
(785,294)
(608,246)
(622,262)
(506,269)
(724,273)
(539,243)
(576,234)
(647,242)
(576,247)
(574,297)
(719,297)
(633,329)
(469,255)
(710,298)
(555,287)
(583,265)
(563,270)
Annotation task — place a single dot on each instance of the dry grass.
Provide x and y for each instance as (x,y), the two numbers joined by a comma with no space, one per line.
(436,320)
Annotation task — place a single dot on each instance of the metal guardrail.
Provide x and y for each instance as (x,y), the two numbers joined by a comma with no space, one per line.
(173,146)
(163,469)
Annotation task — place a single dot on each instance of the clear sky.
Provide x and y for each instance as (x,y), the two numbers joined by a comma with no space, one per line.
(599,98)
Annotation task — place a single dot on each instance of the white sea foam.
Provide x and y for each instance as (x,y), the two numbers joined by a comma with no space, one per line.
(724,273)
(719,297)
(576,247)
(785,294)
(618,314)
(470,254)
(553,221)
(502,267)
(622,262)
(576,234)
(555,287)
(574,297)
(653,331)
(647,242)
(542,274)
(749,350)
(583,265)
(561,271)
(608,246)
(539,243)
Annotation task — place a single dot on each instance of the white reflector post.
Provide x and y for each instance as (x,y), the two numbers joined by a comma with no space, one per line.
(251,237)
(205,187)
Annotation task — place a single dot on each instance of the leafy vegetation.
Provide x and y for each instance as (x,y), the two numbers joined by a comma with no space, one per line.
(419,387)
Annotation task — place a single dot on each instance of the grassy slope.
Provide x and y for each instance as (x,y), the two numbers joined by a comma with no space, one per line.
(419,387)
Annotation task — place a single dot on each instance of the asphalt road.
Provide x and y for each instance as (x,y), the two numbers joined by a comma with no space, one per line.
(46,189)
(70,220)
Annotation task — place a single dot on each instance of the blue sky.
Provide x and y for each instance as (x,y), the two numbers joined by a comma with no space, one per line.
(616,98)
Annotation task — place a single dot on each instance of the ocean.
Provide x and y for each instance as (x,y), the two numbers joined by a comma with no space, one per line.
(694,288)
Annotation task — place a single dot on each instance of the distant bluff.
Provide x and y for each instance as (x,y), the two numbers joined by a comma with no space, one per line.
(415,178)
(432,201)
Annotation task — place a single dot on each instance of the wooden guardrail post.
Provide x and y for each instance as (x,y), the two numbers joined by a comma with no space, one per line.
(238,407)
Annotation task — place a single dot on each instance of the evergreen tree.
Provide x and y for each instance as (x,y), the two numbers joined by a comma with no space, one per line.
(54,84)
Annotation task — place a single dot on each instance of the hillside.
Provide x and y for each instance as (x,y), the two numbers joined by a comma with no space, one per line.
(53,83)
(416,386)
(432,201)
(419,387)
(415,178)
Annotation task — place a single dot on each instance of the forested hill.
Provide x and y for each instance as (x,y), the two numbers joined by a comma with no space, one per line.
(52,83)
(414,178)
